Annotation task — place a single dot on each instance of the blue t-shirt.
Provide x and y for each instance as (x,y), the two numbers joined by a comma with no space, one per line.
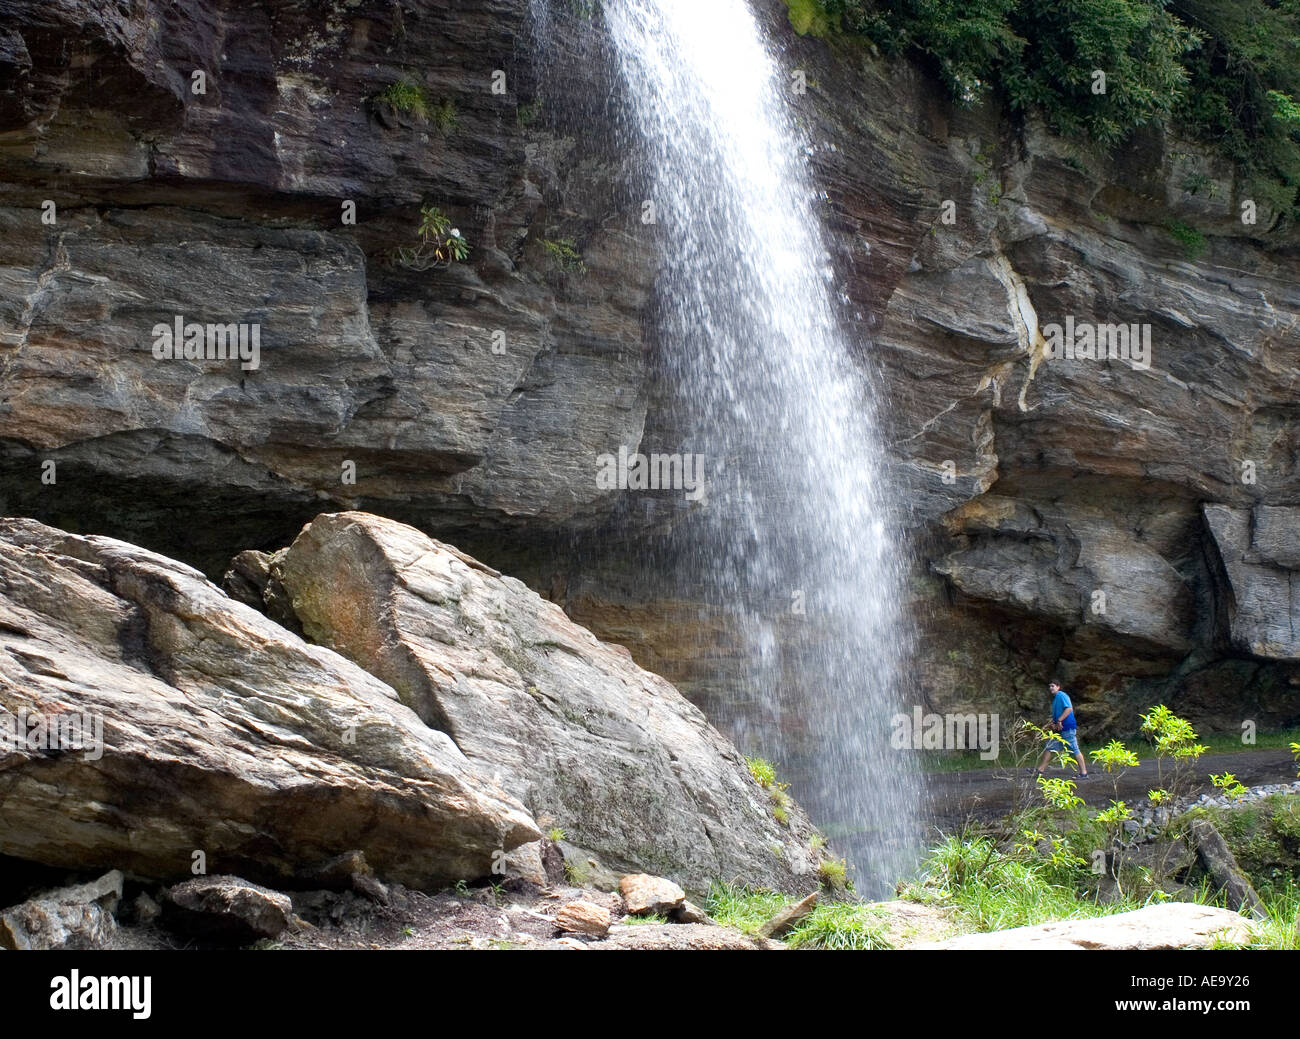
(1061,704)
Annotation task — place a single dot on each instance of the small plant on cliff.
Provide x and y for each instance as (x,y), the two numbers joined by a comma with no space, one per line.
(763,771)
(440,244)
(527,113)
(564,254)
(556,835)
(834,874)
(575,873)
(1295,751)
(406,96)
(1192,241)
(443,116)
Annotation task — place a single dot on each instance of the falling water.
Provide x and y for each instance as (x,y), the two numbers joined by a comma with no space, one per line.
(765,385)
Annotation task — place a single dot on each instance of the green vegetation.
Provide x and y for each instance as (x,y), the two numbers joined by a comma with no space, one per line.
(1063,861)
(576,873)
(1224,72)
(809,17)
(647,918)
(834,873)
(406,96)
(411,98)
(526,114)
(1192,241)
(1230,786)
(990,890)
(443,116)
(1215,743)
(440,244)
(744,908)
(556,835)
(840,925)
(564,253)
(836,925)
(1265,839)
(763,771)
(1042,864)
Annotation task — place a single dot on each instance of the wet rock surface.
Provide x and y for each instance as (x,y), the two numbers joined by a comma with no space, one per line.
(472,401)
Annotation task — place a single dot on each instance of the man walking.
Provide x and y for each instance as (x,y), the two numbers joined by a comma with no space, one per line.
(1066,727)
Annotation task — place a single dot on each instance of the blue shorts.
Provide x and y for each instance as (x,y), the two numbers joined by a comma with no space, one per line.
(1065,739)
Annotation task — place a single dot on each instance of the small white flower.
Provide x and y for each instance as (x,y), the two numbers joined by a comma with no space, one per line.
(455,232)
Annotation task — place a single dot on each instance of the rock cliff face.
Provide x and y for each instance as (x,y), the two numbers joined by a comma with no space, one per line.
(1126,528)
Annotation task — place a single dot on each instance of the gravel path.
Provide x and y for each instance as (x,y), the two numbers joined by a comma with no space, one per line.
(983,794)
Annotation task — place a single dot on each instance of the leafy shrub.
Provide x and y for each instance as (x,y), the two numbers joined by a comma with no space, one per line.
(440,244)
(564,253)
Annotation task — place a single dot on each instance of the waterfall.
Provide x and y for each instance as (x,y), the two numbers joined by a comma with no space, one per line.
(792,540)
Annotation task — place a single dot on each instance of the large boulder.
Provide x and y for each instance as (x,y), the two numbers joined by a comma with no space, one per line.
(1173,925)
(587,740)
(211,733)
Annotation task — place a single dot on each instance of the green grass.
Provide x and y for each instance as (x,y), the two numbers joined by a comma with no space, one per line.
(835,925)
(834,873)
(1230,742)
(840,925)
(406,96)
(990,890)
(1281,929)
(646,918)
(744,908)
(555,835)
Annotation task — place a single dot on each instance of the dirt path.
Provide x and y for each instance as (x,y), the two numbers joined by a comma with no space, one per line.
(981,794)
